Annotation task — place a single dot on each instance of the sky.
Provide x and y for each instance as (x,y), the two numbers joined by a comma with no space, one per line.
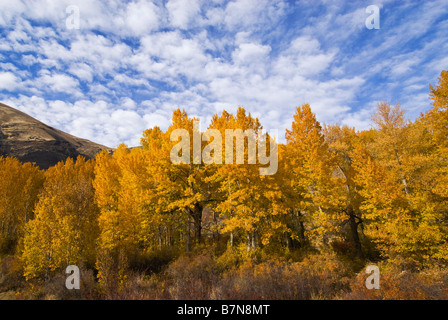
(108,70)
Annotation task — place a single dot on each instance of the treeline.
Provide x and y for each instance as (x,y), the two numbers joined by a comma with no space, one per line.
(372,195)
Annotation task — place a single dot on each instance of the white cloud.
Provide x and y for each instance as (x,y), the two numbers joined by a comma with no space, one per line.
(18,35)
(29,59)
(141,17)
(8,81)
(9,10)
(121,79)
(132,62)
(96,121)
(359,119)
(128,103)
(183,12)
(82,70)
(439,64)
(251,13)
(159,119)
(57,82)
(247,53)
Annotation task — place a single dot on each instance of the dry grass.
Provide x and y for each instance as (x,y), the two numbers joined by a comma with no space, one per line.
(201,277)
(430,284)
(229,277)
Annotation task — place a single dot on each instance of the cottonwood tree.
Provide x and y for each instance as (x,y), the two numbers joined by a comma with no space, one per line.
(181,189)
(65,227)
(250,205)
(395,173)
(310,166)
(436,120)
(342,142)
(118,195)
(19,188)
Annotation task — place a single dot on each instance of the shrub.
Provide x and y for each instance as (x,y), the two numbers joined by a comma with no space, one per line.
(396,284)
(154,261)
(192,277)
(11,274)
(314,277)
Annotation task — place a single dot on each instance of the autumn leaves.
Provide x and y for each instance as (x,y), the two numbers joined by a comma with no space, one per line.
(375,194)
(212,152)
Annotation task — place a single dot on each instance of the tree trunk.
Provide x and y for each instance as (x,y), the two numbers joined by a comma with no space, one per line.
(254,244)
(301,229)
(405,183)
(288,241)
(188,236)
(196,214)
(354,231)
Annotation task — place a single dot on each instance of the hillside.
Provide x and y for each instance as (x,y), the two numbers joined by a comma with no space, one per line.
(30,140)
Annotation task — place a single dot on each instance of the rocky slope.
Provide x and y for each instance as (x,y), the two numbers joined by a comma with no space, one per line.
(30,140)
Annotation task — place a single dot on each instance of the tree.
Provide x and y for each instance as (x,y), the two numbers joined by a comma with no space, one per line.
(251,203)
(65,228)
(395,177)
(21,184)
(310,167)
(403,234)
(342,142)
(438,115)
(436,120)
(118,196)
(390,143)
(186,187)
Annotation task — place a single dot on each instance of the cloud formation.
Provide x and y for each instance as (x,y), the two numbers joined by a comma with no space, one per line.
(131,63)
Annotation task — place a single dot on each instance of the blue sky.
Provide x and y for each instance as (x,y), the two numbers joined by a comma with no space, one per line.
(131,63)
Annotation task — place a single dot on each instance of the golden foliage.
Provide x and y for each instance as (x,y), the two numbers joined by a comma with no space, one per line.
(350,195)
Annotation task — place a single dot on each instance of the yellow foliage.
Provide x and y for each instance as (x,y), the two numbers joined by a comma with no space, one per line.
(65,227)
(19,188)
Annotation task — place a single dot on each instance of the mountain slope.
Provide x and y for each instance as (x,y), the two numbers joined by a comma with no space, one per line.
(30,140)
